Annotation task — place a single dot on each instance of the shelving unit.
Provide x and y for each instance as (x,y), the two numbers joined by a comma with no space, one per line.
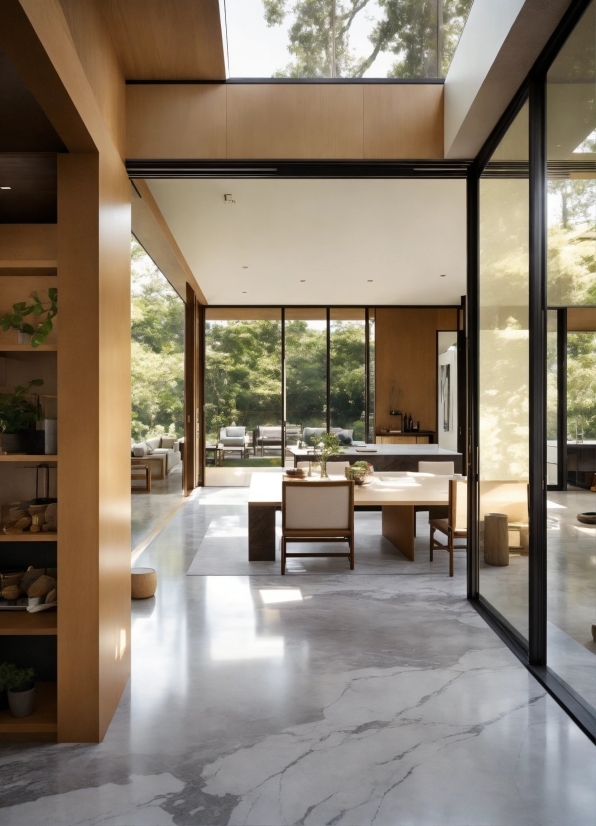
(18,278)
(22,623)
(41,725)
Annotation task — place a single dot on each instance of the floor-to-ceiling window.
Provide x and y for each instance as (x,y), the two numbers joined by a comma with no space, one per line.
(571,284)
(347,353)
(503,376)
(306,372)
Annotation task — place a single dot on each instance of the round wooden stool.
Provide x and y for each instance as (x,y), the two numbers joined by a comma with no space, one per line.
(496,539)
(143,583)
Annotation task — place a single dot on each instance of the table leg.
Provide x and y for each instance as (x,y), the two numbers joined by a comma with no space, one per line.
(398,527)
(261,533)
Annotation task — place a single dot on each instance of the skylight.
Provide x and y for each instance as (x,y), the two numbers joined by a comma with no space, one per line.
(342,38)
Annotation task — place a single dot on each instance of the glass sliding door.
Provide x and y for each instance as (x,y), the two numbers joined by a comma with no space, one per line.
(503,377)
(347,355)
(306,372)
(243,399)
(370,434)
(571,284)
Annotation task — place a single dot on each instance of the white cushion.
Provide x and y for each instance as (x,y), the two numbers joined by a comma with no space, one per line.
(235,431)
(317,508)
(167,441)
(139,450)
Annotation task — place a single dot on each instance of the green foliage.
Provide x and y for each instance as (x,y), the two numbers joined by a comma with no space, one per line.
(581,384)
(407,29)
(37,309)
(243,374)
(157,351)
(17,412)
(15,679)
(328,445)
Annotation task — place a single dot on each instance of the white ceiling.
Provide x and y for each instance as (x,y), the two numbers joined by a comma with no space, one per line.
(335,234)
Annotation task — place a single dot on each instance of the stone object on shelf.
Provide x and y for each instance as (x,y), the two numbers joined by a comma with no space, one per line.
(51,517)
(10,592)
(42,586)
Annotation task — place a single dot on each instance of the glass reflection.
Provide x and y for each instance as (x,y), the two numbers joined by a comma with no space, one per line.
(503,376)
(571,239)
(232,623)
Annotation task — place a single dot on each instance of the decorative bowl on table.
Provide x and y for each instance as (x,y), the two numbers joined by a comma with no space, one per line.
(360,473)
(296,472)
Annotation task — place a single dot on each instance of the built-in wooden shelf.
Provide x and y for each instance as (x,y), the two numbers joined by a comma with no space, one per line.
(48,536)
(27,457)
(16,623)
(27,348)
(28,264)
(43,721)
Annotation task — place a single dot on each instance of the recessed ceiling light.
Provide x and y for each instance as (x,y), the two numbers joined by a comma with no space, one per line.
(5,187)
(245,266)
(243,292)
(443,275)
(370,280)
(302,280)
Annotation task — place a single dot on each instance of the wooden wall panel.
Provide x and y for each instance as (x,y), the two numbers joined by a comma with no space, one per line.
(406,362)
(100,63)
(581,319)
(94,438)
(28,242)
(301,121)
(176,121)
(294,121)
(171,40)
(403,121)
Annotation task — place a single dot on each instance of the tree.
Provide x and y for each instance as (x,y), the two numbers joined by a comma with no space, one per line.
(157,351)
(406,29)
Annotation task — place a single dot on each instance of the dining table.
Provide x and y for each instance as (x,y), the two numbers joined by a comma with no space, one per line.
(397,494)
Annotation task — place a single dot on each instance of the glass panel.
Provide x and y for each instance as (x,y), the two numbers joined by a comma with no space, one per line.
(242,392)
(571,142)
(306,372)
(343,38)
(503,376)
(347,363)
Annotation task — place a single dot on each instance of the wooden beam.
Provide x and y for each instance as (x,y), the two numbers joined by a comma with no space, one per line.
(153,233)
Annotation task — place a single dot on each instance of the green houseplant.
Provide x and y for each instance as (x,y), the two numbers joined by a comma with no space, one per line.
(37,309)
(20,688)
(328,445)
(18,416)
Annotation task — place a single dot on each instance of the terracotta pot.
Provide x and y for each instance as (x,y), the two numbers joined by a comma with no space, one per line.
(21,702)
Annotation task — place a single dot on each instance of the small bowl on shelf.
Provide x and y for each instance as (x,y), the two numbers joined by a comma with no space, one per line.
(296,473)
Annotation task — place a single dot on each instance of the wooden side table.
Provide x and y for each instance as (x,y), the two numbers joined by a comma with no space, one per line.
(140,473)
(158,460)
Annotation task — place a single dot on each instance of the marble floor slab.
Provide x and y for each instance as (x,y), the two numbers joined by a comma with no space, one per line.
(315,700)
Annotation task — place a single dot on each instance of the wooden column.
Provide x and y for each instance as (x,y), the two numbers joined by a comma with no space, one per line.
(93,442)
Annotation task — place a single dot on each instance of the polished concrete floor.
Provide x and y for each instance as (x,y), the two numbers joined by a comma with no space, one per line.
(317,699)
(149,509)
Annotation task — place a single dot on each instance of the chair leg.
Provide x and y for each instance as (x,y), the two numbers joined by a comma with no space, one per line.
(283,555)
(432,542)
(352,552)
(450,549)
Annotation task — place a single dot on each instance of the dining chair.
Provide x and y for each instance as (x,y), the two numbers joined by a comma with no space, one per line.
(456,524)
(337,468)
(321,511)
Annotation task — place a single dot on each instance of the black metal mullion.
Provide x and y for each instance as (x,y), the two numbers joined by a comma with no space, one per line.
(562,398)
(537,374)
(472,341)
(366,374)
(284,411)
(328,316)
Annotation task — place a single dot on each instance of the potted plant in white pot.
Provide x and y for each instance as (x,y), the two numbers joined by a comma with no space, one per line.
(27,333)
(21,691)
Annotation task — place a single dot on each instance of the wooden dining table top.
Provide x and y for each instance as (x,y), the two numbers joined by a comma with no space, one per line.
(386,488)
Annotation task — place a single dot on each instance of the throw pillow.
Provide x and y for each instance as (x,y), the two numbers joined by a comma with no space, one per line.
(138,451)
(148,448)
(168,442)
(345,437)
(235,431)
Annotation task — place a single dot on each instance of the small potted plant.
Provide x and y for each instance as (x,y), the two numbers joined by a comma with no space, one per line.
(27,333)
(21,691)
(360,472)
(18,416)
(328,445)
(7,672)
